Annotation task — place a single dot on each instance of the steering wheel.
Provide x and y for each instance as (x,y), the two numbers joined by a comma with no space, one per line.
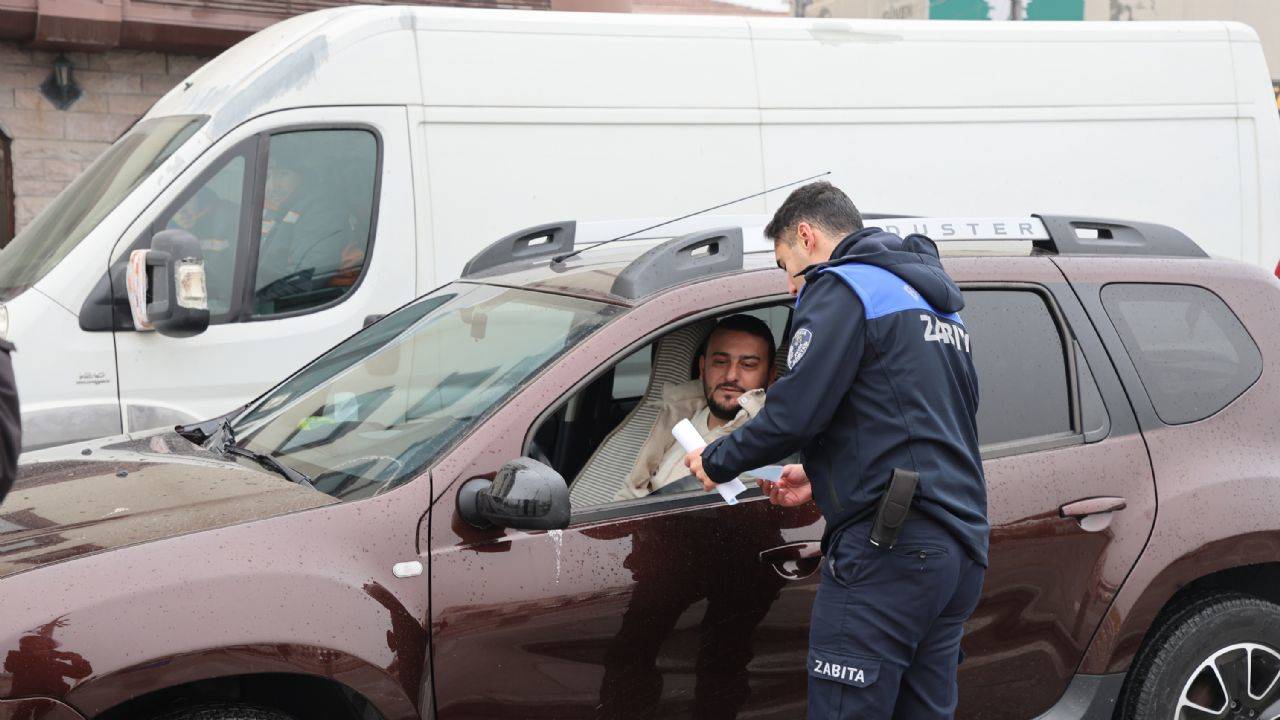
(290,284)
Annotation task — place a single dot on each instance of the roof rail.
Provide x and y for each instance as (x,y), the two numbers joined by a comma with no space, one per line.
(1098,236)
(675,261)
(515,251)
(1059,234)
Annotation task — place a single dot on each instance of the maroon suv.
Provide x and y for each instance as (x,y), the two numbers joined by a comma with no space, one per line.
(422,523)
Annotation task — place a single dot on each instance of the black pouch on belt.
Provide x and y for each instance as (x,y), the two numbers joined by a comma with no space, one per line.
(894,506)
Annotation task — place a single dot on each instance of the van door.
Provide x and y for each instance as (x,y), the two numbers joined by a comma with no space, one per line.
(306,222)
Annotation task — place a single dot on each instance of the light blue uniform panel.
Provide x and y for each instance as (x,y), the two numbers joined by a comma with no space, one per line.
(883,293)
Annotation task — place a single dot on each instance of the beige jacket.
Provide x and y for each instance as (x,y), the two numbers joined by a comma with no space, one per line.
(661,459)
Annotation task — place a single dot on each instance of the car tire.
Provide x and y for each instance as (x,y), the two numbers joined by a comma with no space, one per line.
(1202,656)
(225,711)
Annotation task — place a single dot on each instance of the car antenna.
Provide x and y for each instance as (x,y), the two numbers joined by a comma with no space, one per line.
(566,256)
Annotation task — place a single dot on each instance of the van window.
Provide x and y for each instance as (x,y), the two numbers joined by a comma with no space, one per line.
(212,214)
(87,200)
(1192,354)
(318,207)
(1022,369)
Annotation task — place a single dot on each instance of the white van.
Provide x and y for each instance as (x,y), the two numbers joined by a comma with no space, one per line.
(337,164)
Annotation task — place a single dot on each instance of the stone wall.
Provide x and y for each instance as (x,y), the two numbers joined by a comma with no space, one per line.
(50,147)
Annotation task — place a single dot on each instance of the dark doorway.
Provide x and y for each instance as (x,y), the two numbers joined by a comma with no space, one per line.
(6,191)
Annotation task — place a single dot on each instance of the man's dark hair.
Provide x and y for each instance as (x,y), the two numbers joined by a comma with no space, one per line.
(818,203)
(747,324)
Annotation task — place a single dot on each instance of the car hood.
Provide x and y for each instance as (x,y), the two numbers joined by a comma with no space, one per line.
(85,498)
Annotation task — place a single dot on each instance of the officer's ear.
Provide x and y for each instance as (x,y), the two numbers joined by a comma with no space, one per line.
(808,237)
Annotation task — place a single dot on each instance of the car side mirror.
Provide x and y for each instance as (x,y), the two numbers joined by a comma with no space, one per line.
(166,285)
(525,495)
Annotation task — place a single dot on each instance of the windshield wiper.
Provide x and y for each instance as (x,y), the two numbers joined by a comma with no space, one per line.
(229,447)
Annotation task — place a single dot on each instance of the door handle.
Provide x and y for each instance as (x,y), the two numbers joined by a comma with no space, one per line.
(794,561)
(1093,514)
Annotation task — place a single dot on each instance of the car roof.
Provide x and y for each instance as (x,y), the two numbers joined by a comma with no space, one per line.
(593,259)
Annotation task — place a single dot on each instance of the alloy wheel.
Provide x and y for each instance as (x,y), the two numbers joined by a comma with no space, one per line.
(1239,682)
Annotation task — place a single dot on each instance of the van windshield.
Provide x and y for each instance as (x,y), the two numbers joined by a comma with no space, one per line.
(374,411)
(82,205)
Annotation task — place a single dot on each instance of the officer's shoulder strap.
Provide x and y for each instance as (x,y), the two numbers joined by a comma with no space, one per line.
(881,292)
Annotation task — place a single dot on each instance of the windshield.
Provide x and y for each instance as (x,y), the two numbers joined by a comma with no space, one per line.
(377,409)
(83,204)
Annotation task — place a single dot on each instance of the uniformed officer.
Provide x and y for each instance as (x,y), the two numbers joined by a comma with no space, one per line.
(881,392)
(10,424)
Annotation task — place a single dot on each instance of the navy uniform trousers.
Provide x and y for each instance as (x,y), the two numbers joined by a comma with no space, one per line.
(884,640)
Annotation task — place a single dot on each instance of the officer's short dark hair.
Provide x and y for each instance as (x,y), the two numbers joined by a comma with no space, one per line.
(818,203)
(746,324)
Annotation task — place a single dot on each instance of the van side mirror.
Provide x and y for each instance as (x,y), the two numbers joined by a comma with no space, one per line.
(166,285)
(525,495)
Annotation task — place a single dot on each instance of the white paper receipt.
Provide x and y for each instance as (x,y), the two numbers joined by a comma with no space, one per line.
(690,440)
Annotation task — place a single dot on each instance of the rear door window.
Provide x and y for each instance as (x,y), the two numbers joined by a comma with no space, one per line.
(1023,378)
(1192,354)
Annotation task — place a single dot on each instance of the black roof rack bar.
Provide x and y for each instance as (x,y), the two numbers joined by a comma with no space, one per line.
(538,243)
(691,256)
(1069,235)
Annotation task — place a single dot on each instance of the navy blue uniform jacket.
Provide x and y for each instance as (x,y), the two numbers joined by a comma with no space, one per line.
(880,377)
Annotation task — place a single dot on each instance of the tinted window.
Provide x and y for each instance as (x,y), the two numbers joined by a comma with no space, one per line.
(317,209)
(1192,354)
(1022,371)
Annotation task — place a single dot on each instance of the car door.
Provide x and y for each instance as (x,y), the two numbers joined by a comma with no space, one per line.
(305,218)
(662,607)
(1070,492)
(556,623)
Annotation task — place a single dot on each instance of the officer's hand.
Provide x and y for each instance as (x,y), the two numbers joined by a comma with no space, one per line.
(791,489)
(693,461)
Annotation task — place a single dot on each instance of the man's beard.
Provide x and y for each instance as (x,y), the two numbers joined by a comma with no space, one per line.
(723,412)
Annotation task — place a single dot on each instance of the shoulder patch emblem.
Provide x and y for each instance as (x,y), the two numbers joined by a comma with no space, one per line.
(799,346)
(911,291)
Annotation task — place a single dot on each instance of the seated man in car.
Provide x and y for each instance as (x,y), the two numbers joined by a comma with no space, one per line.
(735,367)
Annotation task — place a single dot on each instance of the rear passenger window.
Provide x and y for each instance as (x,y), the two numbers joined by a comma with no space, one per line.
(1192,354)
(1023,384)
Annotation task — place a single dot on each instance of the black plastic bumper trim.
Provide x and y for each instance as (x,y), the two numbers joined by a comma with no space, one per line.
(1088,697)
